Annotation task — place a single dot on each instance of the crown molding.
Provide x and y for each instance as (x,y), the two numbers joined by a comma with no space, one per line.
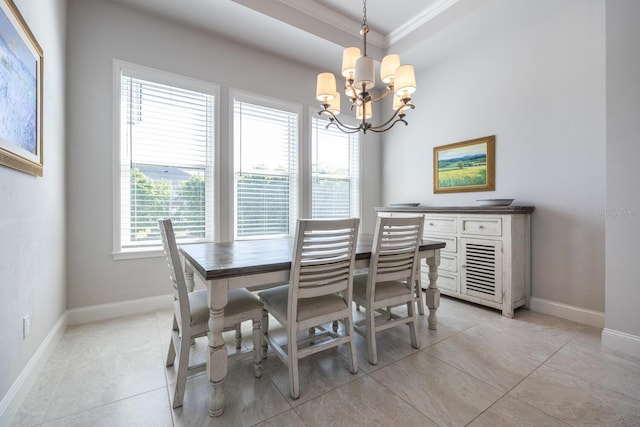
(326,15)
(417,21)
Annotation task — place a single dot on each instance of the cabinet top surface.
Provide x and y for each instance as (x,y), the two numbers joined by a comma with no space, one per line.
(505,210)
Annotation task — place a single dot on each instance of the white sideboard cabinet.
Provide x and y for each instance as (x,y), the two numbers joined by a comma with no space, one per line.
(487,259)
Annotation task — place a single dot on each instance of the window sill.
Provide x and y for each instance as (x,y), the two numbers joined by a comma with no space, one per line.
(135,253)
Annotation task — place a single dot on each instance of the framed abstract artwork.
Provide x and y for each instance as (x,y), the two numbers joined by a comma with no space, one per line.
(20,93)
(465,166)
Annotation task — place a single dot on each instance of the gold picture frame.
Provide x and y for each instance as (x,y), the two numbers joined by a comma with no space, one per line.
(21,103)
(465,166)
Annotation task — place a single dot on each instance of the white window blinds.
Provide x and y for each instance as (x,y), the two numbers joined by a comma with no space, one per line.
(166,161)
(335,172)
(265,169)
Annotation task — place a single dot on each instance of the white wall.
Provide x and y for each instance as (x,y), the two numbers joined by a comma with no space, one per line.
(539,86)
(32,213)
(100,31)
(623,150)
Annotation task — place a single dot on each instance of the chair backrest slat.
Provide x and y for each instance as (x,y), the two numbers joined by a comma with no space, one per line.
(396,245)
(323,258)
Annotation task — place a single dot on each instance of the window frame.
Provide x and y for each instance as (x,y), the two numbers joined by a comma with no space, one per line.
(175,80)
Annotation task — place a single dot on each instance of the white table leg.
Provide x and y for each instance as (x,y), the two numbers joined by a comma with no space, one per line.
(217,364)
(188,277)
(432,293)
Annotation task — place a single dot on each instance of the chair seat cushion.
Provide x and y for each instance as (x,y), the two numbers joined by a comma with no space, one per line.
(277,299)
(384,290)
(239,301)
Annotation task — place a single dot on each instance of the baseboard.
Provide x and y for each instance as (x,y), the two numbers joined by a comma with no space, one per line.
(22,385)
(125,308)
(569,312)
(621,341)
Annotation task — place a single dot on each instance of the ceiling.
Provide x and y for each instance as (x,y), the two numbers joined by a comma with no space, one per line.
(314,32)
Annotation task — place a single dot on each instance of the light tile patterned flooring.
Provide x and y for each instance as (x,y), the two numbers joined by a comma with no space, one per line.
(477,369)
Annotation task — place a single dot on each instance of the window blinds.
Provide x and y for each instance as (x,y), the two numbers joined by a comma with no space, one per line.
(167,136)
(265,170)
(335,172)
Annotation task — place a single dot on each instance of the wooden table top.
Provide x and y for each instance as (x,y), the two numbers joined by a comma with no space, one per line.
(244,257)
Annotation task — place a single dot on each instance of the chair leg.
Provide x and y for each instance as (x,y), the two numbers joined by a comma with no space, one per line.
(171,354)
(257,347)
(183,366)
(238,336)
(265,332)
(371,336)
(294,379)
(412,325)
(351,349)
(419,294)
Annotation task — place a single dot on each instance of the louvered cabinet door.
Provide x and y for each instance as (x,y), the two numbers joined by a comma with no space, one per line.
(481,268)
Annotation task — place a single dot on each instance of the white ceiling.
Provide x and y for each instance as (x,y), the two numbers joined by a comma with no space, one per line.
(315,32)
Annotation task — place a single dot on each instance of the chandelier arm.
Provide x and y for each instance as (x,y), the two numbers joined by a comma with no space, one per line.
(341,128)
(335,121)
(384,95)
(392,118)
(378,130)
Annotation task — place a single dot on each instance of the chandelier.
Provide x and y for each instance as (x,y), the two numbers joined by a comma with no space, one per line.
(359,73)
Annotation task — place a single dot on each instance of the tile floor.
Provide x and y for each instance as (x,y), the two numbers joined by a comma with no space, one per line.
(477,369)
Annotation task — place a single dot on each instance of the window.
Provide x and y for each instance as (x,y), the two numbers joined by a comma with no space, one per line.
(335,172)
(265,138)
(167,134)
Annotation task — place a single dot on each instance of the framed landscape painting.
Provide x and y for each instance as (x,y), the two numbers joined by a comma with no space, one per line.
(20,93)
(465,166)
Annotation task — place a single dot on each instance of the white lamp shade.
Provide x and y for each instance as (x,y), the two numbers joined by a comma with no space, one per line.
(349,58)
(405,83)
(388,67)
(334,105)
(365,73)
(367,107)
(325,87)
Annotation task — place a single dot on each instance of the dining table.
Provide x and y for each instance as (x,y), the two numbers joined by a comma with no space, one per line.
(258,264)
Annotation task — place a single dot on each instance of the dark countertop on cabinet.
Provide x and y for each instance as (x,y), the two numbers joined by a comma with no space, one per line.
(501,210)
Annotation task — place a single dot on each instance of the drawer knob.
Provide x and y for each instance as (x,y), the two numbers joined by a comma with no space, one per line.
(431,224)
(481,226)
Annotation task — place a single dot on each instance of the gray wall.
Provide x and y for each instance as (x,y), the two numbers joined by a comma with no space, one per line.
(100,31)
(32,212)
(539,86)
(623,151)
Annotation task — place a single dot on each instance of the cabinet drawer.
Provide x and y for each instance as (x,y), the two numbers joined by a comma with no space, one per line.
(448,263)
(451,241)
(439,225)
(481,226)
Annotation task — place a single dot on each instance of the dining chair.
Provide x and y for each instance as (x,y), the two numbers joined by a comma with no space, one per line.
(191,317)
(319,292)
(390,280)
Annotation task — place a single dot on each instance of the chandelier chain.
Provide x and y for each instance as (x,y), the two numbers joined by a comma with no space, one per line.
(364,13)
